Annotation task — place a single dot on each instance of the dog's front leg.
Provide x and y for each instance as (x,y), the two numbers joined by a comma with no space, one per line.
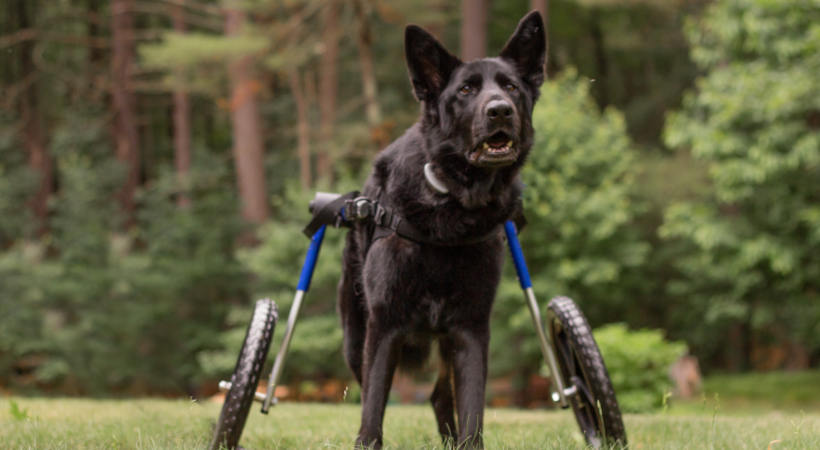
(442,398)
(381,357)
(470,377)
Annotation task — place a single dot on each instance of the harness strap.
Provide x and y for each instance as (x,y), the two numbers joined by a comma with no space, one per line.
(391,222)
(345,209)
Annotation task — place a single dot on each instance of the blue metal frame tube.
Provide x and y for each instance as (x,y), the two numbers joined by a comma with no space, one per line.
(303,286)
(543,339)
(310,259)
(517,255)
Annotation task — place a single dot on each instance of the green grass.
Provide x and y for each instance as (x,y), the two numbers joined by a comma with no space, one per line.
(766,391)
(151,424)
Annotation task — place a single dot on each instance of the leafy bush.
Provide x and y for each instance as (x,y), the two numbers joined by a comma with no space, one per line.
(17,184)
(97,311)
(638,363)
(579,201)
(750,262)
(316,349)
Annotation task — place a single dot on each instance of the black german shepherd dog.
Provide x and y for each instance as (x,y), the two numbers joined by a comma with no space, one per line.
(453,177)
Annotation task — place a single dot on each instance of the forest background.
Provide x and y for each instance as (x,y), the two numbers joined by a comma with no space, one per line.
(157,158)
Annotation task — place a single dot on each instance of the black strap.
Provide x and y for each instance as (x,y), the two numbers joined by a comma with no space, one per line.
(388,222)
(407,231)
(351,207)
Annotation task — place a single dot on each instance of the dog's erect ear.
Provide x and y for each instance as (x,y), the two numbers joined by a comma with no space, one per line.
(526,49)
(429,63)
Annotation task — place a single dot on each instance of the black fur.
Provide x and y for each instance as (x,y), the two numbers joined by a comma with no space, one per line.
(397,295)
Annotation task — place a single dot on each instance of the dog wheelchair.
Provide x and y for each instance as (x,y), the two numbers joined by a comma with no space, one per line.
(579,378)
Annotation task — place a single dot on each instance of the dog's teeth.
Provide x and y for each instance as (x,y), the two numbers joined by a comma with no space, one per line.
(509,144)
(486,146)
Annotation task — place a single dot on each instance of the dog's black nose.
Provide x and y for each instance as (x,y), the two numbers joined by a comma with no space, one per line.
(498,110)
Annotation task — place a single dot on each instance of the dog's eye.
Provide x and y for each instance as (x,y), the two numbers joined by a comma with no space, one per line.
(511,88)
(466,89)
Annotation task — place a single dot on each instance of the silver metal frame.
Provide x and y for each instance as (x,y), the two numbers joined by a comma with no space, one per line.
(270,396)
(561,392)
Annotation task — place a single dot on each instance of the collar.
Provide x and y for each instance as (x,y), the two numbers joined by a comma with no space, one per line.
(433,181)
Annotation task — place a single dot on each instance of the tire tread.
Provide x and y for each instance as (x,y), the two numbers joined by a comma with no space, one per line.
(245,376)
(580,334)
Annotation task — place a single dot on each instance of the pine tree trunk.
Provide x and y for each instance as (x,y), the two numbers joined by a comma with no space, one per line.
(436,26)
(303,127)
(601,60)
(543,6)
(182,123)
(125,128)
(473,29)
(248,147)
(364,43)
(32,132)
(97,76)
(328,89)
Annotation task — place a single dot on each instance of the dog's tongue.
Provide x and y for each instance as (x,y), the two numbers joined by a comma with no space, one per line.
(498,140)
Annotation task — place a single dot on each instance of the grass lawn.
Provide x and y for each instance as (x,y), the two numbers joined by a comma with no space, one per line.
(150,424)
(794,391)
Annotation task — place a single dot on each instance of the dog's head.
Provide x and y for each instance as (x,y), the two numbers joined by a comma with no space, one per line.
(478,111)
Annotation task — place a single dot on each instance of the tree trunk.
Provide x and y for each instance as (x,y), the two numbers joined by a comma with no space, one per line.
(97,76)
(248,147)
(328,89)
(310,90)
(473,29)
(125,126)
(303,127)
(542,6)
(364,43)
(436,26)
(182,124)
(31,128)
(600,61)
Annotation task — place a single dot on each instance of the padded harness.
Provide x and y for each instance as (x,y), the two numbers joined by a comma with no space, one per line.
(353,207)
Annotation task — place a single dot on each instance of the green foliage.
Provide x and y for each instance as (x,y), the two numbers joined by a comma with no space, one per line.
(751,248)
(187,56)
(633,52)
(276,263)
(638,363)
(16,412)
(17,184)
(88,308)
(579,202)
(122,311)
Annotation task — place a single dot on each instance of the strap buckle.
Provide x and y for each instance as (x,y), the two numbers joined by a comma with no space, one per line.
(365,209)
(359,208)
(380,215)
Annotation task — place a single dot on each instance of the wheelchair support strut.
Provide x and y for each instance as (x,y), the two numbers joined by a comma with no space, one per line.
(560,392)
(303,286)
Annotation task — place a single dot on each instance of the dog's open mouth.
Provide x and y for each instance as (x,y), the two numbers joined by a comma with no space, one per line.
(496,150)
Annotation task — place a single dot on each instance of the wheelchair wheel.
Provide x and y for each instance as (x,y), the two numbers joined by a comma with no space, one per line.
(594,403)
(245,376)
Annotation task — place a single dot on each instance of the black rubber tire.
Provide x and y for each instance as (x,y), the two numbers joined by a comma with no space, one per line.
(245,376)
(595,406)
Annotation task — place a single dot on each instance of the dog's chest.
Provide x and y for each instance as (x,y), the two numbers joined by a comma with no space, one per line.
(432,315)
(452,285)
